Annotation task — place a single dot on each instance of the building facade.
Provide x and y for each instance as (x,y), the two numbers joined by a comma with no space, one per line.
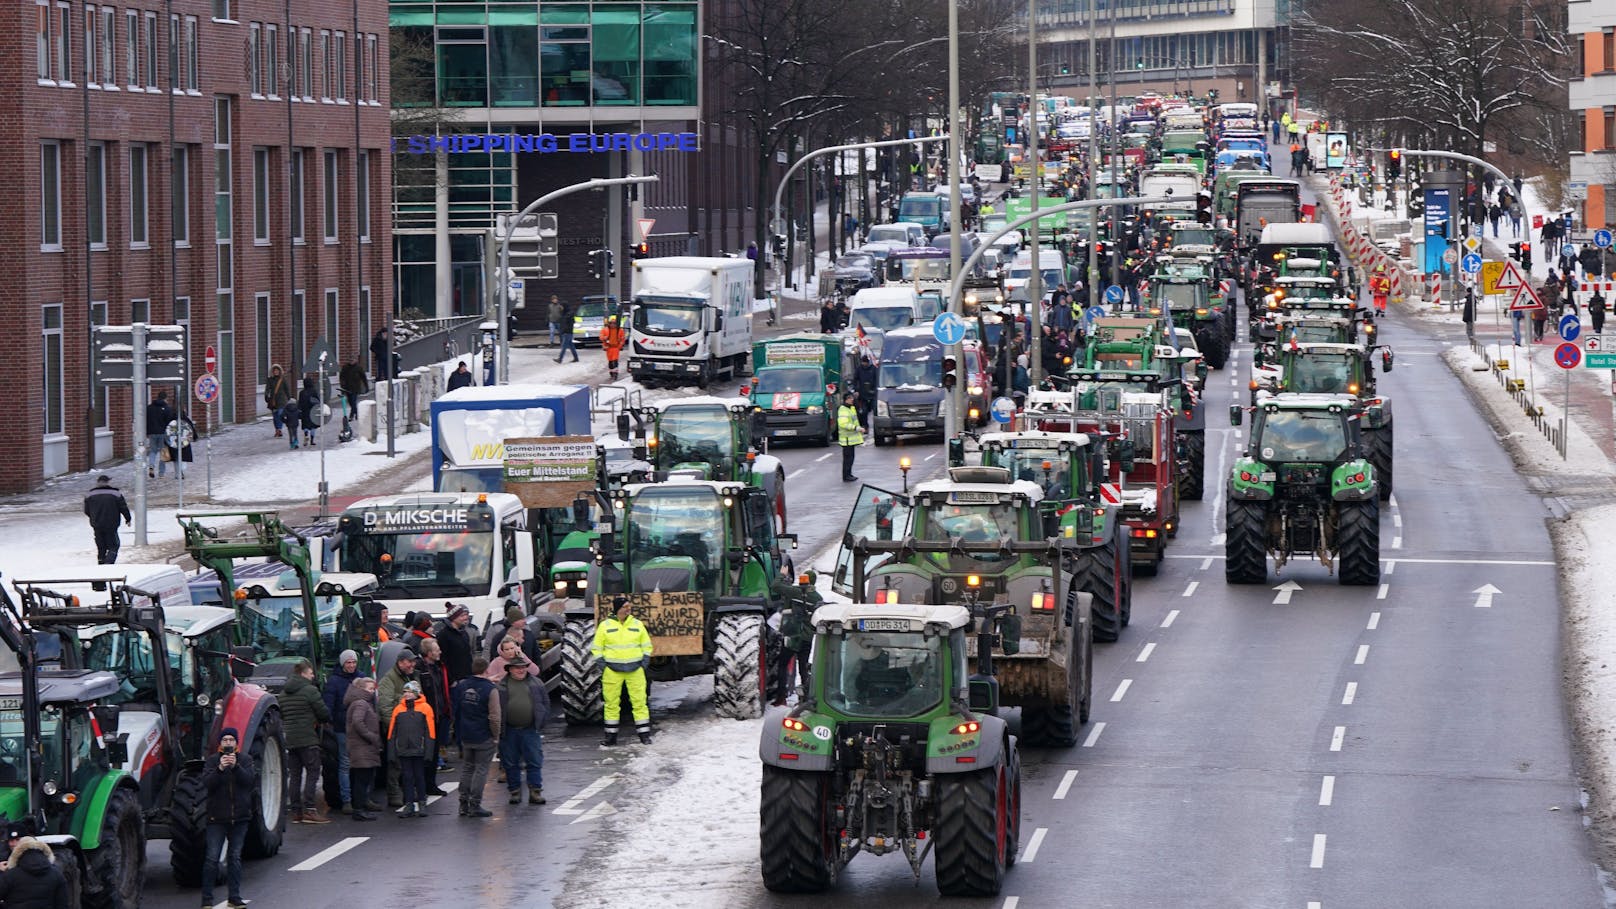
(1592,24)
(220,164)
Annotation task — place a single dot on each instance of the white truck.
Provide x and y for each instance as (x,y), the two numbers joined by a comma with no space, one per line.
(692,319)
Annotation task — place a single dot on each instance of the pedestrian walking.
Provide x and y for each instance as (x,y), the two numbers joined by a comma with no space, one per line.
(1517,319)
(461,377)
(1495,213)
(1468,314)
(158,415)
(848,434)
(389,692)
(364,744)
(434,677)
(1380,288)
(354,383)
(865,377)
(1596,312)
(623,647)
(554,316)
(477,719)
(277,391)
(379,365)
(455,637)
(309,409)
(231,784)
(303,711)
(568,312)
(526,707)
(31,879)
(177,441)
(104,505)
(335,697)
(1540,321)
(409,734)
(612,339)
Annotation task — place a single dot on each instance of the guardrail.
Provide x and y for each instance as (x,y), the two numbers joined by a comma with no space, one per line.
(611,400)
(1517,389)
(422,342)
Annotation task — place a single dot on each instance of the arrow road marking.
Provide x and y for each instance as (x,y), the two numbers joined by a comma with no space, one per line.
(599,809)
(327,854)
(589,792)
(446,787)
(1484,595)
(1065,784)
(1285,590)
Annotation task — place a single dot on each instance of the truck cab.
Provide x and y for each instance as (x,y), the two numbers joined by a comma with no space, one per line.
(691,319)
(796,386)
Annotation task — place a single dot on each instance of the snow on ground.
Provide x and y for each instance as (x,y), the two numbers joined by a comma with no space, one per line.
(1588,590)
(1527,445)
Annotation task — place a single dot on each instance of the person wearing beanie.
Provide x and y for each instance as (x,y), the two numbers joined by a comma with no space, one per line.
(409,737)
(515,619)
(420,624)
(454,636)
(389,692)
(303,712)
(335,696)
(230,780)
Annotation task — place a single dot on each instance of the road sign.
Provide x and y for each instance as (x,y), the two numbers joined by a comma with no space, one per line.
(1003,410)
(210,359)
(1450,255)
(1568,355)
(207,388)
(1475,233)
(165,354)
(517,284)
(645,225)
(1111,493)
(1092,313)
(1472,263)
(949,328)
(1601,360)
(1570,326)
(1471,244)
(1592,343)
(1510,279)
(1525,298)
(1490,273)
(1602,238)
(1568,250)
(1113,294)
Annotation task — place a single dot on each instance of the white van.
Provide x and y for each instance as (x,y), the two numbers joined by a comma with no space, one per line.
(1051,264)
(878,310)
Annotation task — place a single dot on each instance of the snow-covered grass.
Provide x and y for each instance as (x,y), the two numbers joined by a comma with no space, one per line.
(1588,590)
(1528,446)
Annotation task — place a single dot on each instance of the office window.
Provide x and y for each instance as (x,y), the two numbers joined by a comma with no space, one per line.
(1607,53)
(255,81)
(297,195)
(191,56)
(139,311)
(223,203)
(98,318)
(261,195)
(221,9)
(272,60)
(564,56)
(92,58)
(370,71)
(151,52)
(330,186)
(362,195)
(463,66)
(139,162)
(50,194)
(264,330)
(95,194)
(339,84)
(55,404)
(64,43)
(174,81)
(181,199)
(332,325)
(109,37)
(325,65)
(42,41)
(305,45)
(131,49)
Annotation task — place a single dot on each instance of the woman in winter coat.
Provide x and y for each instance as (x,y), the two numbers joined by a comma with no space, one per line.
(31,879)
(364,743)
(181,430)
(307,401)
(278,391)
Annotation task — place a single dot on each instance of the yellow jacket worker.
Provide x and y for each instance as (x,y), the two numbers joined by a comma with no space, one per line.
(623,648)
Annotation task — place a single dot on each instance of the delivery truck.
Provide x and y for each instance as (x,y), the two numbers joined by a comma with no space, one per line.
(470,426)
(692,319)
(798,386)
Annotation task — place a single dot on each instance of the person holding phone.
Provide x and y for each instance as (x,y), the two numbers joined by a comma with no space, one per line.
(231,784)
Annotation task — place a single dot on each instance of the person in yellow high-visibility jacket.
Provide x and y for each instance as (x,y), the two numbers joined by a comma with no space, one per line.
(623,648)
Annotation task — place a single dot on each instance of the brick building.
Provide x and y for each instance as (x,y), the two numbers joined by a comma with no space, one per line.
(1593,102)
(218,164)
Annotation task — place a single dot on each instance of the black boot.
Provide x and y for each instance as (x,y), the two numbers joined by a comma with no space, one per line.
(611,739)
(477,809)
(645,738)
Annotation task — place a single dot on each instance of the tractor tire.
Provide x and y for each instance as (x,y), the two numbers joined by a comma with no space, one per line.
(1012,844)
(116,870)
(797,832)
(268,824)
(1094,572)
(1378,445)
(1192,482)
(188,829)
(1246,543)
(1214,347)
(67,861)
(739,673)
(582,701)
(1357,540)
(971,831)
(1087,700)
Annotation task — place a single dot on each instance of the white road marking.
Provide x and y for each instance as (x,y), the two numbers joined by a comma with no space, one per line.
(795,473)
(570,807)
(1037,839)
(1206,563)
(1317,861)
(1392,500)
(1283,597)
(1391,566)
(1397,542)
(1374,621)
(1145,654)
(1219,539)
(327,854)
(1122,689)
(1397,520)
(1065,784)
(823,457)
(1349,694)
(929,457)
(1363,654)
(599,809)
(1512,562)
(1171,617)
(1094,735)
(1011,902)
(1190,590)
(1381,593)
(446,787)
(1484,595)
(1327,791)
(1315,904)
(1239,434)
(1338,737)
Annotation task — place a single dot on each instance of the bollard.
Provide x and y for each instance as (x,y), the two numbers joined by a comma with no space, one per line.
(367,423)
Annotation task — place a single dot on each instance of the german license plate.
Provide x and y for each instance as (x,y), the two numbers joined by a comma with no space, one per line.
(664,366)
(883,624)
(785,432)
(913,424)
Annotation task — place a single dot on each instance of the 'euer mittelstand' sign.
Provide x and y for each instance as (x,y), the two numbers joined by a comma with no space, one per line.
(674,620)
(550,472)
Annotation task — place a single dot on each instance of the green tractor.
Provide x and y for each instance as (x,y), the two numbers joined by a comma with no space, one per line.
(1303,486)
(981,534)
(706,438)
(698,558)
(894,747)
(1319,368)
(1184,294)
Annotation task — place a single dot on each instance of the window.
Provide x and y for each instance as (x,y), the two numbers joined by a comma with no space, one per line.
(91,44)
(64,44)
(95,194)
(362,196)
(221,10)
(463,66)
(55,404)
(42,42)
(1609,115)
(174,83)
(330,187)
(339,85)
(131,49)
(564,56)
(226,341)
(191,81)
(325,65)
(359,68)
(140,311)
(181,200)
(98,318)
(50,195)
(332,314)
(255,80)
(260,195)
(370,71)
(109,37)
(305,41)
(266,318)
(615,52)
(223,210)
(300,334)
(151,52)
(1607,52)
(272,60)
(139,175)
(297,195)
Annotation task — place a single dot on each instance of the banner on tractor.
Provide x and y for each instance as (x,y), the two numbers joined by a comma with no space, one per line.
(550,472)
(676,621)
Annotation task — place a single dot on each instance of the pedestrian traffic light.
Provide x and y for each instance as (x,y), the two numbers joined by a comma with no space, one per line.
(950,372)
(1394,164)
(1522,253)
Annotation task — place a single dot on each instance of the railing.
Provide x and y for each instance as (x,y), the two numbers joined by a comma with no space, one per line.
(1552,430)
(422,342)
(611,400)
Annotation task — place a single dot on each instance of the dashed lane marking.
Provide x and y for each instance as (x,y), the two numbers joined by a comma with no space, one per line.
(1172,616)
(1218,539)
(1145,654)
(1363,654)
(1094,735)
(1381,593)
(1392,500)
(929,457)
(1374,621)
(330,852)
(447,788)
(1348,695)
(1122,689)
(795,473)
(1037,839)
(1206,563)
(1327,791)
(1190,590)
(1065,785)
(1391,566)
(1397,520)
(823,457)
(1338,738)
(1011,902)
(1397,542)
(1317,861)
(1315,904)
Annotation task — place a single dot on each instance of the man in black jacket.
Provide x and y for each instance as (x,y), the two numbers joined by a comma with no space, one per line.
(455,638)
(460,378)
(158,415)
(231,784)
(32,878)
(104,505)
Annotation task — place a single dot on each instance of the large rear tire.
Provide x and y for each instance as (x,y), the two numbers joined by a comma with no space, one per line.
(67,861)
(582,702)
(1012,844)
(971,831)
(268,824)
(1357,538)
(738,667)
(117,868)
(1378,445)
(188,829)
(797,832)
(1192,482)
(1246,543)
(1094,572)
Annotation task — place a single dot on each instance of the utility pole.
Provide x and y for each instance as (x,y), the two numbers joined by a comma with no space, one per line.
(1094,127)
(1116,149)
(1035,281)
(953,420)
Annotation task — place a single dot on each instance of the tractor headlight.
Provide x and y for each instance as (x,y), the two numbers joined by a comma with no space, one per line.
(49,787)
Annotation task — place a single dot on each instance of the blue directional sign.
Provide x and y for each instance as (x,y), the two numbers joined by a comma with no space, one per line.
(949,328)
(1602,238)
(1113,294)
(1003,410)
(1092,313)
(1475,230)
(1471,263)
(1570,326)
(1568,250)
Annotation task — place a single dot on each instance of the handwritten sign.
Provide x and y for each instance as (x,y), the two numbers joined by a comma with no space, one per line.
(550,472)
(676,621)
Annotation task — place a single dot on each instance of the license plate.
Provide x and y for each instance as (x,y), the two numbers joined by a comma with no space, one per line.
(913,424)
(883,624)
(785,432)
(664,366)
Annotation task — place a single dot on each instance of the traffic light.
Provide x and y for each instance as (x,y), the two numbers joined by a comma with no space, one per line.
(1522,253)
(595,264)
(1066,70)
(611,263)
(950,372)
(1394,164)
(640,250)
(1139,63)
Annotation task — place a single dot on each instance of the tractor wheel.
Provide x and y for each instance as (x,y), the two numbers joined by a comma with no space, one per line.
(268,824)
(116,870)
(1094,571)
(738,671)
(971,831)
(581,699)
(797,833)
(1012,844)
(1215,348)
(188,829)
(1378,443)
(1357,542)
(1246,543)
(67,861)
(1192,481)
(1087,700)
